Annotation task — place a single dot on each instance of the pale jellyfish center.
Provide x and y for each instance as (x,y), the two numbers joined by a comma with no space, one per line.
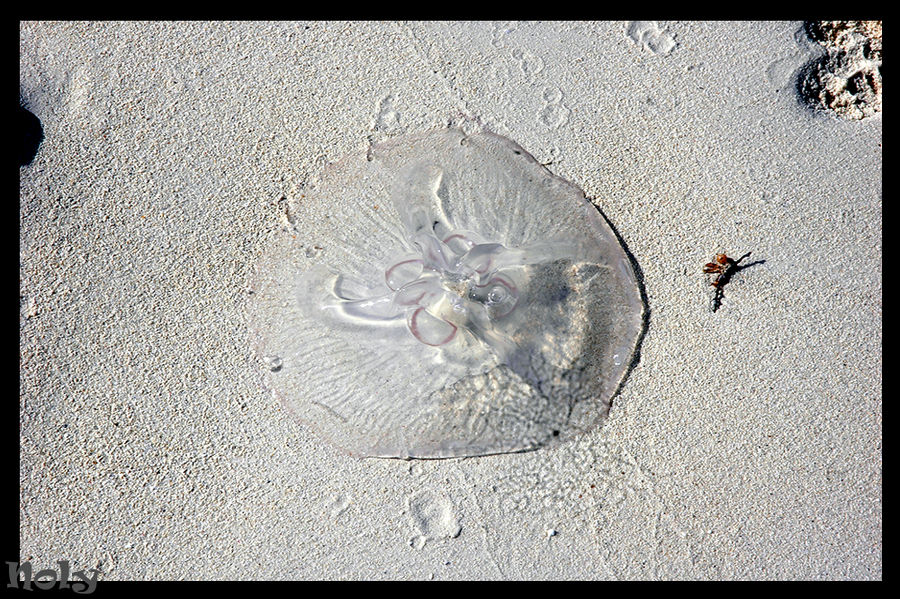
(452,283)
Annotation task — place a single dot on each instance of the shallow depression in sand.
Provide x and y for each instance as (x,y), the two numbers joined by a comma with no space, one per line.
(461,300)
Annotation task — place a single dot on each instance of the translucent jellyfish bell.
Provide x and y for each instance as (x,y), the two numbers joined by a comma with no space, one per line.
(465,302)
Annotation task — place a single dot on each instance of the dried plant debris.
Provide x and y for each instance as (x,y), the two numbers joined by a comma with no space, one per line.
(848,35)
(847,79)
(722,269)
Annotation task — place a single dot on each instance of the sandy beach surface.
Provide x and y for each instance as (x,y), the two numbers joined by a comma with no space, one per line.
(745,444)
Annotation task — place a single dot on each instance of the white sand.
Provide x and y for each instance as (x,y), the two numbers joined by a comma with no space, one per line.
(745,444)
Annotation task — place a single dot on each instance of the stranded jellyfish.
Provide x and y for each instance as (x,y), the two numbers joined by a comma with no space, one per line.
(448,296)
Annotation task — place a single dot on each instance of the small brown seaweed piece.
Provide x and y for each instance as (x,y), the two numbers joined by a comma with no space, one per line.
(724,268)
